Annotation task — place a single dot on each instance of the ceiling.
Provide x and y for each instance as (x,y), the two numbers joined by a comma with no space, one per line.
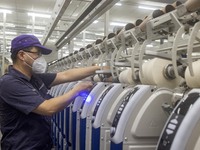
(65,20)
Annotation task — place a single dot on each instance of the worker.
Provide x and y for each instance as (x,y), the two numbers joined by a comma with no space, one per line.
(25,106)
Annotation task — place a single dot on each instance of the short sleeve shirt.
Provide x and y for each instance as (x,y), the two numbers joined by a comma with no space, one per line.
(19,96)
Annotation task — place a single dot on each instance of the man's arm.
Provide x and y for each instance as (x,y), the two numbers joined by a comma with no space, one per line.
(53,105)
(74,74)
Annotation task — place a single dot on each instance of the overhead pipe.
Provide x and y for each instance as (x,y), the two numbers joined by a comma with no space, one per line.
(80,18)
(95,15)
(59,10)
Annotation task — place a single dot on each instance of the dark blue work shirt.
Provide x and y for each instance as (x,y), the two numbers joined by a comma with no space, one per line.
(19,96)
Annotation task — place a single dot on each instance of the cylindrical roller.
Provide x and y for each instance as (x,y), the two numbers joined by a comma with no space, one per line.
(129,26)
(169,8)
(96,78)
(192,5)
(154,74)
(142,26)
(126,77)
(193,81)
(111,35)
(176,4)
(98,41)
(119,30)
(138,22)
(157,13)
(81,49)
(89,46)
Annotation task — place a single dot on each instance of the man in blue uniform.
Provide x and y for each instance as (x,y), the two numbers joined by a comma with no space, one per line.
(25,106)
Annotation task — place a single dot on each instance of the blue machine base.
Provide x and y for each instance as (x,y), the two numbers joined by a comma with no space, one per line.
(82,133)
(95,138)
(74,130)
(114,146)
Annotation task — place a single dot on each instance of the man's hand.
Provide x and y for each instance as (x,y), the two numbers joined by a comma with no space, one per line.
(105,67)
(82,86)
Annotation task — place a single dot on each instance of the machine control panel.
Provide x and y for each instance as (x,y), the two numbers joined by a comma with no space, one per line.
(85,97)
(123,104)
(175,120)
(101,99)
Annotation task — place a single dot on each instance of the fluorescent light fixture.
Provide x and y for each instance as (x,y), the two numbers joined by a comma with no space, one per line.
(117,24)
(149,45)
(38,35)
(8,25)
(118,4)
(89,32)
(7,38)
(78,44)
(157,40)
(195,54)
(52,40)
(96,21)
(65,54)
(39,15)
(89,40)
(35,27)
(165,41)
(11,33)
(5,11)
(76,49)
(147,7)
(152,4)
(74,38)
(99,34)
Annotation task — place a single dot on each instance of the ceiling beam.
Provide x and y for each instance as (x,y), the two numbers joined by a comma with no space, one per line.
(88,10)
(106,5)
(59,9)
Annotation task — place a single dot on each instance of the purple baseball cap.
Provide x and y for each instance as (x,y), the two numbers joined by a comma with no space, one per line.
(25,41)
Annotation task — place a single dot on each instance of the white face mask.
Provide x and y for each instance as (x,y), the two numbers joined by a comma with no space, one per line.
(39,65)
